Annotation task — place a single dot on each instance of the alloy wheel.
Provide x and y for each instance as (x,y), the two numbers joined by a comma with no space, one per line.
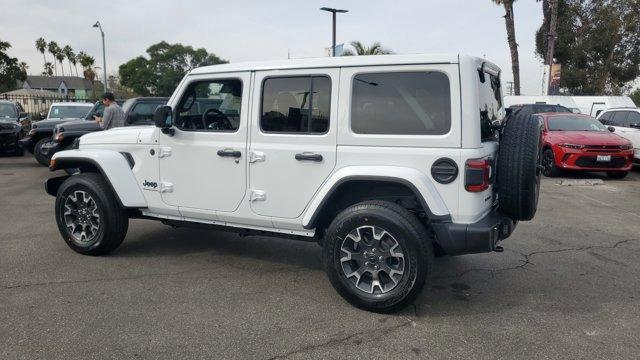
(81,217)
(372,259)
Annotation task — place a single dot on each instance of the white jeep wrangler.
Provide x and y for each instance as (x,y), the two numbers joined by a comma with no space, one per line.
(383,160)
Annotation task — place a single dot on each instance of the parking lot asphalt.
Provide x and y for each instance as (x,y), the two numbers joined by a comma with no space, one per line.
(566,286)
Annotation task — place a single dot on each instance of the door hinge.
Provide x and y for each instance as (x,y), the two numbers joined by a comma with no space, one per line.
(256,156)
(258,195)
(166,187)
(164,151)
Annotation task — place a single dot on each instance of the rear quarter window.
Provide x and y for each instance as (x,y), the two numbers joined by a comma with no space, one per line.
(401,103)
(491,107)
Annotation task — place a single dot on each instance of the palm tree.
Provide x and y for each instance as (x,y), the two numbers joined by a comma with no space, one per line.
(71,57)
(60,58)
(511,39)
(53,50)
(48,69)
(23,67)
(375,49)
(41,45)
(87,62)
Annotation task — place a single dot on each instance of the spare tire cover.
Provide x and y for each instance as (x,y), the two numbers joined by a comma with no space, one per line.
(518,170)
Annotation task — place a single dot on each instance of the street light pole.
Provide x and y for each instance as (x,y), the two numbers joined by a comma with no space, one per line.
(333,13)
(104,57)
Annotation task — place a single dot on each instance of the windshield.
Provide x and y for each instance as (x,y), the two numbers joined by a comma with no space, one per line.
(68,111)
(7,111)
(574,123)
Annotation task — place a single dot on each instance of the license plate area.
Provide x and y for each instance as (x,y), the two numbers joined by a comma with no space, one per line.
(603,158)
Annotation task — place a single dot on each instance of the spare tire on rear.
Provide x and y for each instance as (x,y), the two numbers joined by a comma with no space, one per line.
(518,170)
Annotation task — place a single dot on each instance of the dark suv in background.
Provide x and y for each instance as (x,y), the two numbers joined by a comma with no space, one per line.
(14,124)
(138,111)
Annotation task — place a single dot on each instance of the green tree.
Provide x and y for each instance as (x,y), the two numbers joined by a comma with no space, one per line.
(598,45)
(360,49)
(10,69)
(48,69)
(511,40)
(166,65)
(86,61)
(41,46)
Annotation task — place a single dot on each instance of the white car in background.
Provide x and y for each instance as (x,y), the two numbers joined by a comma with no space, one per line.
(626,121)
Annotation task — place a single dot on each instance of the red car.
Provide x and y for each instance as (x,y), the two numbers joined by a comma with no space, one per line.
(581,143)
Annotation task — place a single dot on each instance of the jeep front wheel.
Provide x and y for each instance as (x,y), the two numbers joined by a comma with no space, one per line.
(88,215)
(377,255)
(37,152)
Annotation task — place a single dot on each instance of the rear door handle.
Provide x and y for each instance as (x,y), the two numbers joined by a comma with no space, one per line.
(229,153)
(309,157)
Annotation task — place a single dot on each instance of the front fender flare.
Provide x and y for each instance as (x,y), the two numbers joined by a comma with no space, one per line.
(419,182)
(112,165)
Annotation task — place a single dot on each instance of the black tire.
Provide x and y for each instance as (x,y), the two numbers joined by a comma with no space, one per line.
(113,220)
(549,168)
(617,174)
(519,167)
(40,158)
(403,229)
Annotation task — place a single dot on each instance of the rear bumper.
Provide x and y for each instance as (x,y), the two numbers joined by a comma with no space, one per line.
(479,237)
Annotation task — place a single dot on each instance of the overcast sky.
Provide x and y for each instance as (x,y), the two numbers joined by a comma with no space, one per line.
(241,30)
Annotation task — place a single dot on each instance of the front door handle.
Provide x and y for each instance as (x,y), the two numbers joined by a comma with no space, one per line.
(229,153)
(309,157)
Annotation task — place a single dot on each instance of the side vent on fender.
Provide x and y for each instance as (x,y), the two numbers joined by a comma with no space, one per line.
(444,170)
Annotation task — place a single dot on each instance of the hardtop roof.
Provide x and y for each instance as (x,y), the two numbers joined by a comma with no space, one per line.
(325,62)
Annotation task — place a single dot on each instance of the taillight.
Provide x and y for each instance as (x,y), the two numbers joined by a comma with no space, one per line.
(477,175)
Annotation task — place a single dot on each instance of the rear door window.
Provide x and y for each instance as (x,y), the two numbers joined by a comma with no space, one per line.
(296,105)
(633,118)
(401,103)
(618,118)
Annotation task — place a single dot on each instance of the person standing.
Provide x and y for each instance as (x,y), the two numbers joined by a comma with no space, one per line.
(113,115)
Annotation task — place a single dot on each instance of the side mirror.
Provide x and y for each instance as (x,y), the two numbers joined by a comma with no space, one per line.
(42,115)
(611,128)
(163,119)
(634,125)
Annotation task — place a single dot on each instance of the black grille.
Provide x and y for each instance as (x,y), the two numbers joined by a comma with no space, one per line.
(608,148)
(590,161)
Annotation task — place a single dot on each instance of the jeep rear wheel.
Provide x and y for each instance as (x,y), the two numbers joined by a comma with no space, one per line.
(88,215)
(377,255)
(519,166)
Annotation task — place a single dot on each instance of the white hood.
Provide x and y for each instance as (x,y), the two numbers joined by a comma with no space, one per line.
(121,135)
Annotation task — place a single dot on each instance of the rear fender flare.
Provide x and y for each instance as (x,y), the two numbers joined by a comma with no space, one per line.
(417,181)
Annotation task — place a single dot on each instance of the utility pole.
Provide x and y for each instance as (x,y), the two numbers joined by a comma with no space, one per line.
(333,13)
(551,37)
(104,56)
